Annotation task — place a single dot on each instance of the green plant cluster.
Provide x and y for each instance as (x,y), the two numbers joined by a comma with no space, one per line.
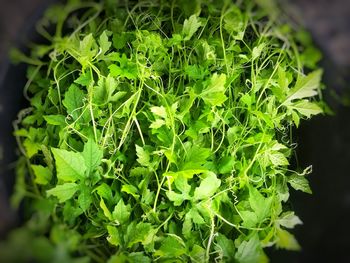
(160,131)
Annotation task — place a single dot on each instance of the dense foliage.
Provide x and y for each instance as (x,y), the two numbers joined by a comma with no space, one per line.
(161,131)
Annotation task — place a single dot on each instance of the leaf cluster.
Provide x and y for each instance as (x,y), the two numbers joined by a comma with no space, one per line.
(161,131)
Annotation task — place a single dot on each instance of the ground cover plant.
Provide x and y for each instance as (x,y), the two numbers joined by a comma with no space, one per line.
(160,131)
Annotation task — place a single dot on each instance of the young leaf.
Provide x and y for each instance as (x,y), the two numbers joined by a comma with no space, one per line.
(208,187)
(299,182)
(121,212)
(84,198)
(70,165)
(214,93)
(63,192)
(190,27)
(171,247)
(42,174)
(92,155)
(306,86)
(286,240)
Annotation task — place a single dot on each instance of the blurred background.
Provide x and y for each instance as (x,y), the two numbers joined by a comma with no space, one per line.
(323,142)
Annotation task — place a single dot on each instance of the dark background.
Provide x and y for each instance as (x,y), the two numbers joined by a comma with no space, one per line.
(323,142)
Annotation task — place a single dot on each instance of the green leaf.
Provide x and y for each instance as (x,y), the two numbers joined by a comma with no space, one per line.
(74,101)
(214,93)
(84,79)
(171,246)
(306,108)
(58,120)
(121,212)
(143,157)
(286,240)
(278,159)
(42,174)
(63,192)
(105,210)
(260,205)
(190,27)
(92,155)
(105,44)
(225,247)
(141,233)
(299,182)
(70,166)
(306,86)
(249,251)
(84,198)
(289,220)
(208,187)
(114,237)
(130,189)
(197,254)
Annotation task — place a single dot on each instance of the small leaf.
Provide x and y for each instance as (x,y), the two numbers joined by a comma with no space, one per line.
(84,198)
(249,251)
(92,155)
(225,247)
(299,182)
(190,27)
(58,120)
(306,86)
(130,189)
(121,212)
(63,192)
(42,174)
(105,210)
(70,165)
(214,93)
(286,240)
(171,246)
(289,220)
(306,108)
(143,156)
(208,187)
(114,237)
(278,158)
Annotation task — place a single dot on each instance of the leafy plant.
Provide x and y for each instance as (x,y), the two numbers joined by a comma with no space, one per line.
(161,131)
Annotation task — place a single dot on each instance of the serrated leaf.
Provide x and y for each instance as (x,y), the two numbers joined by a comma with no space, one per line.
(306,108)
(84,198)
(171,246)
(92,155)
(42,174)
(214,93)
(143,157)
(289,220)
(130,189)
(70,166)
(225,247)
(249,251)
(286,240)
(57,120)
(278,158)
(74,101)
(105,44)
(63,192)
(114,237)
(260,204)
(141,233)
(190,27)
(299,182)
(306,86)
(121,212)
(208,186)
(105,210)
